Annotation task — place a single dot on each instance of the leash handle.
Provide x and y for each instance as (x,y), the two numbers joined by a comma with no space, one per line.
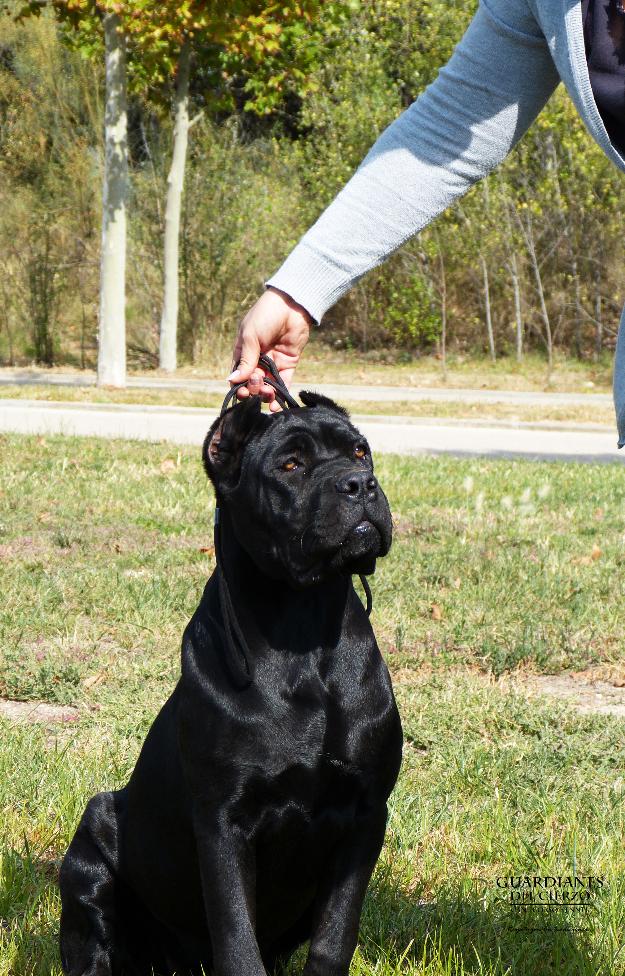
(274,380)
(278,383)
(230,395)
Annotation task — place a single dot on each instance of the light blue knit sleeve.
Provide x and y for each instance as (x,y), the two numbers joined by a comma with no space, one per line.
(463,125)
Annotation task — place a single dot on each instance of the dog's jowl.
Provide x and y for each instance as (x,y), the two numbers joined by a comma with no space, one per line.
(256,811)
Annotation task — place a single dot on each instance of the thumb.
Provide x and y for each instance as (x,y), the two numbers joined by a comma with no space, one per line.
(248,359)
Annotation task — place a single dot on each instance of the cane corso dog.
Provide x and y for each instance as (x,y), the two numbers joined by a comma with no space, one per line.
(257,809)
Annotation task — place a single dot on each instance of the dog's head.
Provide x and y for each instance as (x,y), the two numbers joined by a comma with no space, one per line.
(300,489)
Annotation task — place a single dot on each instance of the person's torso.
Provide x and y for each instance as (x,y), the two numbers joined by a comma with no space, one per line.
(604,41)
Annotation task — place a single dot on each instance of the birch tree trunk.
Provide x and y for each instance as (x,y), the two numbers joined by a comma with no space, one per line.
(578,307)
(513,267)
(518,315)
(112,330)
(599,265)
(487,309)
(527,230)
(531,247)
(175,186)
(443,298)
(598,328)
(487,305)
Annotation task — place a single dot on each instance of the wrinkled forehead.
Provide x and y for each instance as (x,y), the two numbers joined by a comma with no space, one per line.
(323,432)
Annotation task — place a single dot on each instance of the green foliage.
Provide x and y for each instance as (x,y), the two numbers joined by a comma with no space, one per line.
(267,47)
(396,307)
(291,97)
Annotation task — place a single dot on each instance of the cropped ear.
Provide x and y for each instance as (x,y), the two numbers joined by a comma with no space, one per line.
(311,399)
(226,439)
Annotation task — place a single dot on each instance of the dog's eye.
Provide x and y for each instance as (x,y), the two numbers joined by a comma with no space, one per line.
(360,451)
(290,465)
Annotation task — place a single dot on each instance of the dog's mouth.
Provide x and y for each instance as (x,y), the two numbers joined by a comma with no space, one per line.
(365,535)
(354,552)
(358,549)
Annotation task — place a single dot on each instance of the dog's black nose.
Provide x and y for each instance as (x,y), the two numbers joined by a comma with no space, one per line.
(357,484)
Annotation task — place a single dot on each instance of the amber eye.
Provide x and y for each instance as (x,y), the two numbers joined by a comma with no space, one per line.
(359,452)
(290,465)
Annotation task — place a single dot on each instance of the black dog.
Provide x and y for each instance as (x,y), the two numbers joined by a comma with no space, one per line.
(257,809)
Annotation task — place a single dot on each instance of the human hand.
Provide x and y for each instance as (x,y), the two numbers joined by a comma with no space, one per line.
(275,325)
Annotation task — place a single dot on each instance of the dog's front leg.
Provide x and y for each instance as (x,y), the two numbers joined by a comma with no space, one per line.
(227,868)
(339,900)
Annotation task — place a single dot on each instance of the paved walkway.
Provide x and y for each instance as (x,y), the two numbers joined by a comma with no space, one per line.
(188,425)
(339,391)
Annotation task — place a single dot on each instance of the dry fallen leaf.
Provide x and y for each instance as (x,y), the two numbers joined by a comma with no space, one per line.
(93,679)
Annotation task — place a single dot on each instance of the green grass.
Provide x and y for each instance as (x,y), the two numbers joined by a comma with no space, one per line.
(496,566)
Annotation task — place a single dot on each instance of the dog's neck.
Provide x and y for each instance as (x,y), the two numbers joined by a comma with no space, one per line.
(322,606)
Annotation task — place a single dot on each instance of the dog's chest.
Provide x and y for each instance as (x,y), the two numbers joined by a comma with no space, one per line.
(315,753)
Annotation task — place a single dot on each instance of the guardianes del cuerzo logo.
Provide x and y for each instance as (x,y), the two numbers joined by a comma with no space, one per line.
(553,890)
(545,902)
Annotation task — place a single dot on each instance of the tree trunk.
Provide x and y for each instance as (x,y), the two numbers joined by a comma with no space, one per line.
(443,297)
(527,231)
(541,296)
(578,308)
(6,318)
(489,318)
(598,325)
(175,186)
(514,274)
(112,330)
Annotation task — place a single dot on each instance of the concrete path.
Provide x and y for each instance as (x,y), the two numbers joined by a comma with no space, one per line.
(188,425)
(338,391)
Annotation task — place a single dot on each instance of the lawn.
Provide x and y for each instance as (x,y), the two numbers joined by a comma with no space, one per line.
(497,567)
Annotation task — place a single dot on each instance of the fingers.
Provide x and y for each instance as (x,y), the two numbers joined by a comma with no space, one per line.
(247,351)
(278,326)
(256,387)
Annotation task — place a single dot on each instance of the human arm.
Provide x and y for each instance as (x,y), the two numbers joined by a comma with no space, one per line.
(459,129)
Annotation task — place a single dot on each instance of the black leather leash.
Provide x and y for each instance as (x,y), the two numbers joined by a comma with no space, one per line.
(274,380)
(239,658)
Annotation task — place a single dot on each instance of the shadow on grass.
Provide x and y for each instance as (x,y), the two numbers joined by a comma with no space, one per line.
(459,933)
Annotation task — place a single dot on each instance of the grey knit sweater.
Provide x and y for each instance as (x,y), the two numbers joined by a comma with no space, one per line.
(512,57)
